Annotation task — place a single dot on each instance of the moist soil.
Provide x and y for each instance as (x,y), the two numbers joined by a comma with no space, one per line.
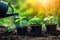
(13,35)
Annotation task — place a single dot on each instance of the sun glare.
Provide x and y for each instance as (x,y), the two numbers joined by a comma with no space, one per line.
(44,2)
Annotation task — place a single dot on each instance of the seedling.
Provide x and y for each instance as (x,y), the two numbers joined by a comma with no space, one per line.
(50,20)
(35,20)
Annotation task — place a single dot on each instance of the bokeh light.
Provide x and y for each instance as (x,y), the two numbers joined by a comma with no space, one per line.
(45,2)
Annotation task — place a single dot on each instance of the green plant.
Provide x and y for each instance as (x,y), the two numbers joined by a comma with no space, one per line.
(9,29)
(35,20)
(7,22)
(23,21)
(50,20)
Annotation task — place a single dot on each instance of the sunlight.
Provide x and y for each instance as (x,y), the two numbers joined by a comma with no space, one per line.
(45,2)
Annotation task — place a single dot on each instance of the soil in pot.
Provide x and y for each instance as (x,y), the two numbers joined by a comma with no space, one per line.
(36,29)
(51,28)
(22,31)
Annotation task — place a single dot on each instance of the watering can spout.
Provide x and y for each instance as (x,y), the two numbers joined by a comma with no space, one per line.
(4,8)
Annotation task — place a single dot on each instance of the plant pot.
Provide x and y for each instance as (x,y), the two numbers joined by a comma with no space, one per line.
(51,28)
(36,29)
(22,31)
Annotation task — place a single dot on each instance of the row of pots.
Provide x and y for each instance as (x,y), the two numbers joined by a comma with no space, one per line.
(36,29)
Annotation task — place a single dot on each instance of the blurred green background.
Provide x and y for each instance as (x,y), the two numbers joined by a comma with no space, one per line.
(25,9)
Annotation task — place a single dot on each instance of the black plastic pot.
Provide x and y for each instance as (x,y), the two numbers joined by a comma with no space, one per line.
(22,31)
(36,29)
(51,28)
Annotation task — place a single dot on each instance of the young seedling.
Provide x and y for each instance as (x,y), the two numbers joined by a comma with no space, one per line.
(35,20)
(50,20)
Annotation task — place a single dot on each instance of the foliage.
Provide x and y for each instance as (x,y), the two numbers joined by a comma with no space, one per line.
(24,8)
(50,20)
(7,23)
(7,0)
(35,20)
(23,21)
(9,29)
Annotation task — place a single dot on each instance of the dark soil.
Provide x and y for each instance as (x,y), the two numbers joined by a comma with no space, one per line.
(13,35)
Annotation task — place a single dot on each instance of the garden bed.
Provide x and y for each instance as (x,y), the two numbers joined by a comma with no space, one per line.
(15,36)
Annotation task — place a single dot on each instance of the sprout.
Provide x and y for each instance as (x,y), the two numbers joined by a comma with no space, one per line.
(50,19)
(35,20)
(45,19)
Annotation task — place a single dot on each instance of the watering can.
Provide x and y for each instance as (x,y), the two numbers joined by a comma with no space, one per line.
(4,8)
